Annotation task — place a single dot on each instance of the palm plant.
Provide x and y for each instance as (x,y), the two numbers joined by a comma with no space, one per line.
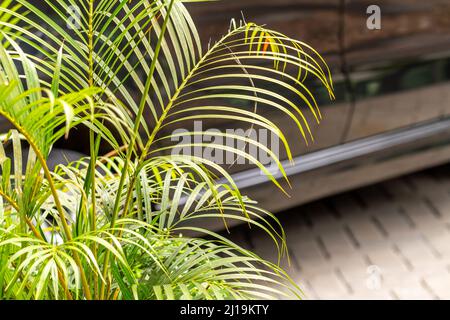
(115,226)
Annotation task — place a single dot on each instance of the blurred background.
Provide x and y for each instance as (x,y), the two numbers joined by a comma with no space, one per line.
(369,210)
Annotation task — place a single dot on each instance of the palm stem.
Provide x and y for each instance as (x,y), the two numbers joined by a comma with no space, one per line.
(93,155)
(140,113)
(137,123)
(54,192)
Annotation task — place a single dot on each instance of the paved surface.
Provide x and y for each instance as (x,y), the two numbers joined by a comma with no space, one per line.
(387,241)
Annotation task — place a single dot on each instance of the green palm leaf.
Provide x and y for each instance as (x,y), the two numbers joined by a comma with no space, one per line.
(125,225)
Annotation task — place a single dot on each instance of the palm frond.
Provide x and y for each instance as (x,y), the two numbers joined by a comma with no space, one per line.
(126,225)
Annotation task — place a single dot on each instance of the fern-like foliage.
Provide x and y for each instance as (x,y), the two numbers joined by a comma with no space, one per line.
(122,225)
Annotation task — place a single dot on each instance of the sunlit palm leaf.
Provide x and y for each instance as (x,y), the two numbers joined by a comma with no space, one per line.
(116,227)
